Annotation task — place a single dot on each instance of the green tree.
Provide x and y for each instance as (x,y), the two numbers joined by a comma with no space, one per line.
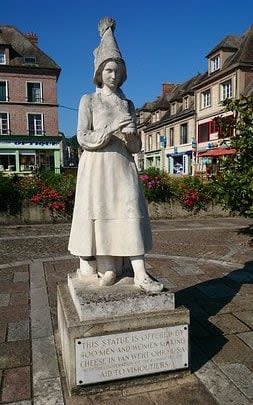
(235,182)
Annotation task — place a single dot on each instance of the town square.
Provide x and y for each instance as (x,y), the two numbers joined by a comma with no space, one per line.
(126,262)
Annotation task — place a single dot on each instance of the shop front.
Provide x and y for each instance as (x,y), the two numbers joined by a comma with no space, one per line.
(28,155)
(209,160)
(179,161)
(153,159)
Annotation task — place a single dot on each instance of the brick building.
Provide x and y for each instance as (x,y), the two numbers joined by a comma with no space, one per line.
(29,134)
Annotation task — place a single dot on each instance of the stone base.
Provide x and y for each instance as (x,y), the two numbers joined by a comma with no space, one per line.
(122,333)
(93,302)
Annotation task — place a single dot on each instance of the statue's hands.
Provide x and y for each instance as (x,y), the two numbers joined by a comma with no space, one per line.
(121,122)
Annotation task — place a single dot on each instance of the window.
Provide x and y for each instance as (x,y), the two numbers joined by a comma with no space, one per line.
(186,103)
(171,137)
(203,132)
(173,108)
(183,134)
(215,63)
(34,93)
(150,142)
(3,90)
(158,140)
(2,58)
(226,90)
(211,130)
(4,124)
(27,161)
(7,161)
(30,59)
(35,126)
(205,99)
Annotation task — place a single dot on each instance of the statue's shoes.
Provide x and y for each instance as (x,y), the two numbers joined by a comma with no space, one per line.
(148,285)
(108,278)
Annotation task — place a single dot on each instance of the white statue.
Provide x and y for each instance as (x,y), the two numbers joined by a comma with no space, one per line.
(110,219)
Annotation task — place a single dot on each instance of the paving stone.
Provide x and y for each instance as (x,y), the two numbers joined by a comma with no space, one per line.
(246,317)
(45,364)
(247,337)
(22,276)
(14,354)
(6,274)
(37,278)
(16,384)
(241,376)
(80,401)
(22,403)
(222,389)
(194,393)
(132,400)
(48,392)
(227,349)
(20,266)
(228,324)
(185,268)
(3,330)
(39,297)
(4,299)
(18,330)
(41,325)
(14,313)
(19,298)
(9,287)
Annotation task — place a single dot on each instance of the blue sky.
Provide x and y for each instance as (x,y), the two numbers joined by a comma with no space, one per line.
(161,41)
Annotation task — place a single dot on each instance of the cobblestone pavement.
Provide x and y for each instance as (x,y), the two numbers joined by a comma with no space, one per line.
(207,262)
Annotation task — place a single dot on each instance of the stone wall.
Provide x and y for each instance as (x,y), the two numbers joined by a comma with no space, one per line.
(175,210)
(34,214)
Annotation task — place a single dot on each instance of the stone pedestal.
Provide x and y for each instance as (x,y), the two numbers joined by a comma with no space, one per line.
(117,332)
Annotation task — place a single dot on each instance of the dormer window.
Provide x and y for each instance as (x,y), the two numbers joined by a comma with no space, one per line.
(30,59)
(215,63)
(173,108)
(2,57)
(186,103)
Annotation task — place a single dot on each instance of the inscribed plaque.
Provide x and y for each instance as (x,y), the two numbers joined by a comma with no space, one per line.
(129,354)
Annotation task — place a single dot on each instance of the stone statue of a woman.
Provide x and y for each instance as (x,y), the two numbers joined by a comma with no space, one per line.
(110,219)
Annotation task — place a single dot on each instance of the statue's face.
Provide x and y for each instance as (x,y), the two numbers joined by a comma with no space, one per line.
(111,75)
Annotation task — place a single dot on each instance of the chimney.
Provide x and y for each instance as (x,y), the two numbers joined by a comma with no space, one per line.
(167,88)
(33,38)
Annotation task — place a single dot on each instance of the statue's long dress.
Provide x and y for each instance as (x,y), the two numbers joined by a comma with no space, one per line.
(110,215)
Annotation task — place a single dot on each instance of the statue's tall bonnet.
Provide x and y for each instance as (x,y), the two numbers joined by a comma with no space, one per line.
(107,50)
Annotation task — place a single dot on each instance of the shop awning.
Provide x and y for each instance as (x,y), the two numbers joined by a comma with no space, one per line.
(216,152)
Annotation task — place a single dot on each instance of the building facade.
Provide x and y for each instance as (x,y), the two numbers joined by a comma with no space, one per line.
(29,133)
(184,137)
(229,75)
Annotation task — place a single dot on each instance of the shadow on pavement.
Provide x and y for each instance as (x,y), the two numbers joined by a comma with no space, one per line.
(205,300)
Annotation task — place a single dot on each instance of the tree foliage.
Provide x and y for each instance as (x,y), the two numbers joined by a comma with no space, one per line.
(235,183)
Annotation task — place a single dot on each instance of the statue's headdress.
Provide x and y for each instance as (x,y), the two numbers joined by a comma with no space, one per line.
(107,50)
